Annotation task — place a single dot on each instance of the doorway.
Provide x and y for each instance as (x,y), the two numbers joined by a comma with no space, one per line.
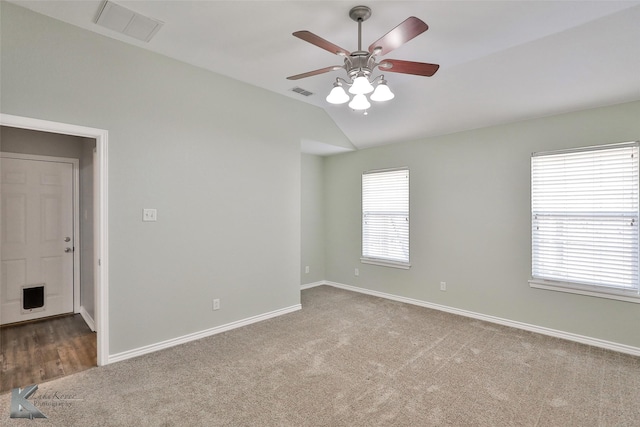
(98,213)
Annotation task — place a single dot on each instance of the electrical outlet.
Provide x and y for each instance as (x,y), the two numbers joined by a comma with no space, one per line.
(216,304)
(357,272)
(306,269)
(149,215)
(443,286)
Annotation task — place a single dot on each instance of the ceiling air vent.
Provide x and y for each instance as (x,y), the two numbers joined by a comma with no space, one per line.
(301,91)
(128,22)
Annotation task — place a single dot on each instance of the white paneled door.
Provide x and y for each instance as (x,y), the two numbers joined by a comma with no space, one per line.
(37,239)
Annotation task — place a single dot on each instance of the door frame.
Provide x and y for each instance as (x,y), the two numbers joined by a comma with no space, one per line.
(100,216)
(75,212)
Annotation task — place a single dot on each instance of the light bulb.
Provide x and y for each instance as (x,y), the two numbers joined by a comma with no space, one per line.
(360,102)
(382,92)
(337,95)
(361,86)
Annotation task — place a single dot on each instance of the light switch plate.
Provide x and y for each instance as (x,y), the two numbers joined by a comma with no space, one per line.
(149,215)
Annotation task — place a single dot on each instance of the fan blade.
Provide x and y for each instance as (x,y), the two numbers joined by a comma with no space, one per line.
(405,31)
(408,67)
(320,42)
(314,72)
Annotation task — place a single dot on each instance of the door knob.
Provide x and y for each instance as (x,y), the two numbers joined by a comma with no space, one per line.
(67,239)
(68,250)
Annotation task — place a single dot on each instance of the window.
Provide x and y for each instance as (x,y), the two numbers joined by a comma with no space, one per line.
(584,218)
(385,217)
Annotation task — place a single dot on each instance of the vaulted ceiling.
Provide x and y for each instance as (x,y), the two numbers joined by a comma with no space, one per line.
(500,61)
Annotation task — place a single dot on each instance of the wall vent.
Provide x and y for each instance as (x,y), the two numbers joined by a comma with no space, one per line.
(301,91)
(126,21)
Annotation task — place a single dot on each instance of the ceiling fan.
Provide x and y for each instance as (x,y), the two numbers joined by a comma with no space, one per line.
(360,64)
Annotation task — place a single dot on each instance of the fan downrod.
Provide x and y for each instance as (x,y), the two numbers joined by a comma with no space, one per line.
(360,13)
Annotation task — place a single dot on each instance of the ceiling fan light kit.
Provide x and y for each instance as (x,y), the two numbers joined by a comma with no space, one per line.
(382,92)
(361,85)
(337,94)
(360,64)
(360,102)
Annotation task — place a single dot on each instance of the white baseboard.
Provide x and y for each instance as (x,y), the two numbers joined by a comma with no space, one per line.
(87,318)
(596,342)
(198,335)
(312,285)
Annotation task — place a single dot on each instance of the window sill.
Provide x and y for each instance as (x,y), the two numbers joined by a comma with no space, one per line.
(593,291)
(386,263)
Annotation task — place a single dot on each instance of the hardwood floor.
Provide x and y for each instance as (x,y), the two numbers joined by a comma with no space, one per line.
(33,352)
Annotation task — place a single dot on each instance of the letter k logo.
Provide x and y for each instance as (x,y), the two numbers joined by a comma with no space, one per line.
(21,407)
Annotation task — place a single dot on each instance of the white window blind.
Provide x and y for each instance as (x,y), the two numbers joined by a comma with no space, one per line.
(584,207)
(385,217)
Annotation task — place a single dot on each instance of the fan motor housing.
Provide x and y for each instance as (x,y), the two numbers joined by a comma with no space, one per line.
(359,62)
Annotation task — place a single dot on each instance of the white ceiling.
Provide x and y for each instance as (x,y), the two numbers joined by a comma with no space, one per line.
(500,61)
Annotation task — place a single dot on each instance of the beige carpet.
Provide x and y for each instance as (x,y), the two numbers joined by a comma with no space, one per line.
(348,359)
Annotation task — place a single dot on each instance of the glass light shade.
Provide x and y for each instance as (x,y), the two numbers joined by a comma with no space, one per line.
(360,102)
(382,93)
(337,96)
(361,86)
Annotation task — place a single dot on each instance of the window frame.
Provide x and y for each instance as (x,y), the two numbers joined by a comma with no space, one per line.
(603,291)
(385,262)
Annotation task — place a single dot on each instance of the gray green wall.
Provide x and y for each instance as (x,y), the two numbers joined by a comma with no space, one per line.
(223,174)
(470,222)
(312,219)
